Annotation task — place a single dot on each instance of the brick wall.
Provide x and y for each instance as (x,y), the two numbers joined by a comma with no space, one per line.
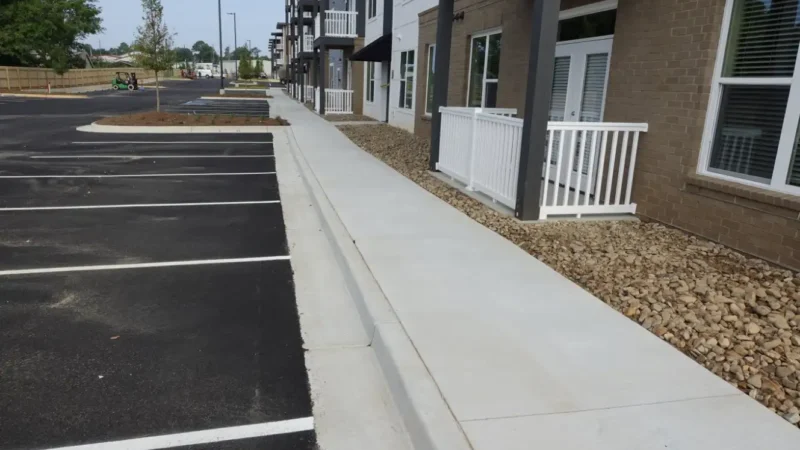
(479,15)
(661,69)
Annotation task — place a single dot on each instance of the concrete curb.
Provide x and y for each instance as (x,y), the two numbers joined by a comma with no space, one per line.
(61,96)
(96,128)
(236,98)
(427,417)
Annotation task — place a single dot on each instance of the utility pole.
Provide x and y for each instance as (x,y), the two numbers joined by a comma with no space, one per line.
(235,43)
(221,72)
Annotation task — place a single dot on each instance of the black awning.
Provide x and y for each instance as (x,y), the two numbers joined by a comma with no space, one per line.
(377,51)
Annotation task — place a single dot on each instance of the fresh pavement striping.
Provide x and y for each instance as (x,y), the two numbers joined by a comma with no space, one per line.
(101,156)
(168,142)
(213,174)
(139,205)
(203,437)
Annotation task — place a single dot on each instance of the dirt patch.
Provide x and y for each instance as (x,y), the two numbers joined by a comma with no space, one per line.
(175,119)
(734,314)
(239,94)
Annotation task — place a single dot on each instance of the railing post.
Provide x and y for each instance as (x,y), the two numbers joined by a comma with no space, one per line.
(473,145)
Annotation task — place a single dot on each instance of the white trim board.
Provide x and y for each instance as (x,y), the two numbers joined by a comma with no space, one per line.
(585,10)
(204,436)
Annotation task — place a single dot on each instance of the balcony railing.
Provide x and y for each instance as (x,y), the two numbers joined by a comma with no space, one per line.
(337,24)
(308,43)
(589,167)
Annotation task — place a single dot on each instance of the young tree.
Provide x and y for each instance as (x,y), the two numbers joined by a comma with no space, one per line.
(245,66)
(154,42)
(259,68)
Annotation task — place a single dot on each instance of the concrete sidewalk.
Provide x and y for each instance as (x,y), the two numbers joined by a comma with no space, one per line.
(485,347)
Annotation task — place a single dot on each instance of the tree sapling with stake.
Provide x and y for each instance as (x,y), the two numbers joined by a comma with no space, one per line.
(154,42)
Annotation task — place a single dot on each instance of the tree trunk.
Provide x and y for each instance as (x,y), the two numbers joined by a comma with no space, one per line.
(158,94)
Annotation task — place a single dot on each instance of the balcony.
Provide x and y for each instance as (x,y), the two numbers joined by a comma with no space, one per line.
(308,43)
(340,24)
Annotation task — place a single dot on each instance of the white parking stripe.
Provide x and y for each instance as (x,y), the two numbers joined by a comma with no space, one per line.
(199,262)
(170,142)
(139,205)
(148,156)
(140,175)
(204,437)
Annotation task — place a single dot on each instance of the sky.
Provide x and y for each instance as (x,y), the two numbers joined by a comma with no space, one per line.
(193,20)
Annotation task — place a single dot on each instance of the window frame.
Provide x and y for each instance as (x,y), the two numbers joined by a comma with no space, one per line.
(428,74)
(483,34)
(407,71)
(791,120)
(370,97)
(372,9)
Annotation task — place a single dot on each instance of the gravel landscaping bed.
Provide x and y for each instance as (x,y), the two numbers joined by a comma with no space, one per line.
(734,314)
(176,119)
(348,118)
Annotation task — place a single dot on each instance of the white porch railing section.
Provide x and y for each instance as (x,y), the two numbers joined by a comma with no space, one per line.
(337,24)
(309,94)
(316,99)
(481,148)
(338,101)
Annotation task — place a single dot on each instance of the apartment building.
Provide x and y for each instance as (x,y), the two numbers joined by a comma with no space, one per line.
(698,101)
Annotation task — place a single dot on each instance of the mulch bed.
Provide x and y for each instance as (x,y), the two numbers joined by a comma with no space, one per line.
(175,119)
(736,315)
(348,118)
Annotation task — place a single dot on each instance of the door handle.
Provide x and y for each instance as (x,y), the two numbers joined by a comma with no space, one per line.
(572,114)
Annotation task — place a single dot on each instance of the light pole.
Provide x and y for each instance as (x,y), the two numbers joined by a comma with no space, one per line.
(235,43)
(221,73)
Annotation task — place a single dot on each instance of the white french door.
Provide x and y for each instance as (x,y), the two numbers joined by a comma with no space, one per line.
(578,95)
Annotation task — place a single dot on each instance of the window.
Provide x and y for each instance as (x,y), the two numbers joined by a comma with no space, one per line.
(752,125)
(406,97)
(372,8)
(429,83)
(370,81)
(587,26)
(484,69)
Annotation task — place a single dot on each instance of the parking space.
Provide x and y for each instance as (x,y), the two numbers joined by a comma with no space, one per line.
(222,106)
(146,297)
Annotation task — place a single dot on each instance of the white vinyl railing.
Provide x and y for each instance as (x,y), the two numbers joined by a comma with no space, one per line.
(338,101)
(316,99)
(481,149)
(337,24)
(309,94)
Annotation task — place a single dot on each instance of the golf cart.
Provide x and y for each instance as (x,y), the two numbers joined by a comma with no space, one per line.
(124,80)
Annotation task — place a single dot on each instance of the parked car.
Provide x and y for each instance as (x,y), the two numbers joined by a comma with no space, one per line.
(205,73)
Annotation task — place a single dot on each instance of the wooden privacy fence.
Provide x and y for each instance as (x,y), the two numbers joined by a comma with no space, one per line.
(16,78)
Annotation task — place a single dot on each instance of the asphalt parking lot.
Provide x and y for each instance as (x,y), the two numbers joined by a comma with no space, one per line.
(146,295)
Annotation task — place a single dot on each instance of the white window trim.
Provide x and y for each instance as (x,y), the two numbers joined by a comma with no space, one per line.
(372,13)
(791,120)
(485,34)
(593,8)
(431,48)
(405,79)
(370,82)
